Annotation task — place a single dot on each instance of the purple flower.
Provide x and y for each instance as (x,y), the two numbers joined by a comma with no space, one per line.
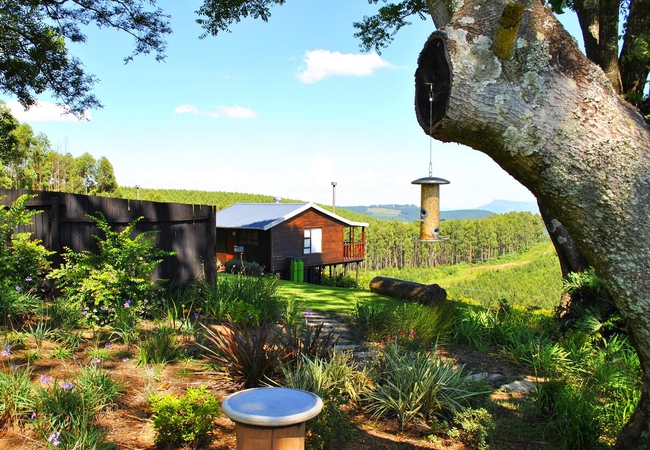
(85,311)
(33,416)
(127,304)
(18,288)
(309,312)
(125,360)
(45,379)
(67,385)
(6,350)
(250,316)
(104,308)
(95,361)
(28,279)
(196,316)
(54,439)
(108,345)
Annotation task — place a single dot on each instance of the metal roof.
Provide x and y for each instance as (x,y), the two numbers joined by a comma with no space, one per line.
(263,216)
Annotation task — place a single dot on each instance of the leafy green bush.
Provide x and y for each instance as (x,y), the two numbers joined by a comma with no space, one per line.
(330,430)
(340,280)
(243,300)
(472,427)
(115,282)
(186,419)
(23,262)
(238,267)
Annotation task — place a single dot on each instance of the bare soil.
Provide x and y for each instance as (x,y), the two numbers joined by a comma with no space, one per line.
(128,423)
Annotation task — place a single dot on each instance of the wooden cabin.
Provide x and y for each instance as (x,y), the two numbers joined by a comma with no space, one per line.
(272,234)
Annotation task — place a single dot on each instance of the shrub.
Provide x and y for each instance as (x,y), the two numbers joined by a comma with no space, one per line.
(336,380)
(240,267)
(186,419)
(472,427)
(244,300)
(246,352)
(410,324)
(23,262)
(340,280)
(115,282)
(410,385)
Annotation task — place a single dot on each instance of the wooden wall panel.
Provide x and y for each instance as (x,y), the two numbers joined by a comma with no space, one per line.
(189,230)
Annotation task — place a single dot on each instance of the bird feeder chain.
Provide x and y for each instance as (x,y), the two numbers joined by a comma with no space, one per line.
(430,129)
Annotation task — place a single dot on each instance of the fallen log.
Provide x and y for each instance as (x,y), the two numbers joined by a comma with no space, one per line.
(431,294)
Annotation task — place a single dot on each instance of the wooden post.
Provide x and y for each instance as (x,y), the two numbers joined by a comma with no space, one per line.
(250,437)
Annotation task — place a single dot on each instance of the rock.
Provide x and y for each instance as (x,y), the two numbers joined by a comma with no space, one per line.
(520,387)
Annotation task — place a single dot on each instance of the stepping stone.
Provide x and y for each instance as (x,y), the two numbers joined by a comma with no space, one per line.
(520,387)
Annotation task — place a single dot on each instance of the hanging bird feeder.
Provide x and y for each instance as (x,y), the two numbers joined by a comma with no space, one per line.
(430,192)
(430,208)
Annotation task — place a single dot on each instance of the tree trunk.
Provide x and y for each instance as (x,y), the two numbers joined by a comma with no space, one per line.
(551,119)
(408,290)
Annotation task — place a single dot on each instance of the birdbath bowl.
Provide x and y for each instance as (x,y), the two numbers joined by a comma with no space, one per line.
(271,418)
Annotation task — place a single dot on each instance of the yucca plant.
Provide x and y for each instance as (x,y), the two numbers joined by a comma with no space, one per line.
(247,352)
(336,379)
(412,385)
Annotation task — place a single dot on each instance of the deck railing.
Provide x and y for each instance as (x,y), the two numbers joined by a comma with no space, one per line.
(354,250)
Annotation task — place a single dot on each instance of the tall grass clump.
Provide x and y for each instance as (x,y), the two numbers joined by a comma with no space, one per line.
(65,415)
(410,385)
(243,300)
(592,393)
(15,397)
(411,324)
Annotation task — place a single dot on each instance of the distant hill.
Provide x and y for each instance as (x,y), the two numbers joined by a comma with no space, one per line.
(410,213)
(506,206)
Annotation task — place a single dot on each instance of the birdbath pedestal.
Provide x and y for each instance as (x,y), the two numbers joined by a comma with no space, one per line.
(271,418)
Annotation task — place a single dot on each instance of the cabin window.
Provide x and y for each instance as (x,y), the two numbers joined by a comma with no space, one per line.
(248,237)
(313,241)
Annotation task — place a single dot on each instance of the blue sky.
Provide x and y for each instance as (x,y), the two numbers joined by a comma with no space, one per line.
(280,108)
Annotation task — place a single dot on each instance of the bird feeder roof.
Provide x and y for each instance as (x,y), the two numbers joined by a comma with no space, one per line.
(430,180)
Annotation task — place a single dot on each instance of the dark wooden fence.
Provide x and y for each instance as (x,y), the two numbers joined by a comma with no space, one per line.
(188,230)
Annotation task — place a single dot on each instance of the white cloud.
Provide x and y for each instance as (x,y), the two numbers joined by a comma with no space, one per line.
(323,63)
(236,112)
(44,112)
(232,112)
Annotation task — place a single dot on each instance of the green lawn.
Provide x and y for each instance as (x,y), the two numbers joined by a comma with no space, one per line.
(326,298)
